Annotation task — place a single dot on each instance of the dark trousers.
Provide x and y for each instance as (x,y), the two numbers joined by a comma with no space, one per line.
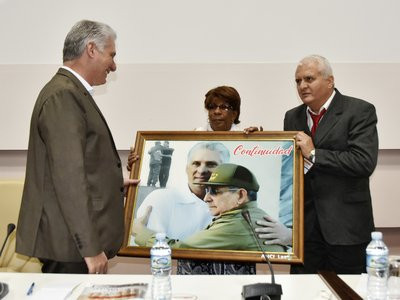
(164,174)
(51,266)
(319,255)
(154,174)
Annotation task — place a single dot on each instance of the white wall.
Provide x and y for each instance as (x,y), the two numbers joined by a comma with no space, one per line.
(191,31)
(170,53)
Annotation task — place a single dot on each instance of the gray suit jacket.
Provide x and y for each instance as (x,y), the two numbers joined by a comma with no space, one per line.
(72,204)
(336,189)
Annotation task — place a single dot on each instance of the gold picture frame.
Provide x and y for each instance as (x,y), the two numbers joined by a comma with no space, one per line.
(273,158)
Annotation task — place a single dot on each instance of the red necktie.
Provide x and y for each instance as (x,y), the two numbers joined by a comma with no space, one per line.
(316,119)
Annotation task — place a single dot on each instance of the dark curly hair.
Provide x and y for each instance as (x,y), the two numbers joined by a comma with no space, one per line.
(227,93)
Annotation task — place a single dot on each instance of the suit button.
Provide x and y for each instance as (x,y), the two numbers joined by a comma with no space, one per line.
(119,165)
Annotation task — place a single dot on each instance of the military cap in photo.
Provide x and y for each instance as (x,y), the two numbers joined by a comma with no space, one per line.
(233,175)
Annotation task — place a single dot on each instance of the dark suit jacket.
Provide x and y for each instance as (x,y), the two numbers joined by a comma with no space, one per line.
(72,204)
(336,189)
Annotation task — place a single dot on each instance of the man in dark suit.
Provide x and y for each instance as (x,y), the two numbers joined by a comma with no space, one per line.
(340,151)
(71,214)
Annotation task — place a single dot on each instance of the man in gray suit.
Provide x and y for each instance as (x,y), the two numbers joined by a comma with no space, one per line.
(339,140)
(71,215)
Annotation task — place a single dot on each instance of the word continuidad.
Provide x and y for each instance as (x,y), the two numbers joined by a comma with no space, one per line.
(258,151)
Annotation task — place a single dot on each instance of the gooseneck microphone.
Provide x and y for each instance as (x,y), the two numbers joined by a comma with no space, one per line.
(4,286)
(10,229)
(256,291)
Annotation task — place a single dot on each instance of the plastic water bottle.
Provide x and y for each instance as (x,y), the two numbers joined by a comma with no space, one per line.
(161,269)
(377,267)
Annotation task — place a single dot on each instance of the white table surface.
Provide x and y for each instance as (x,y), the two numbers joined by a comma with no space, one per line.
(307,287)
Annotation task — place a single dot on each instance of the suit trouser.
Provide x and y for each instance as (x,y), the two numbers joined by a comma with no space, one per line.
(164,174)
(319,255)
(154,174)
(52,266)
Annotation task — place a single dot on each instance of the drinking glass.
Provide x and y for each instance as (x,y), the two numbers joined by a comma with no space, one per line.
(393,287)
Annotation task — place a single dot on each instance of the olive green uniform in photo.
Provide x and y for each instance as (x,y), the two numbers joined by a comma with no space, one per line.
(229,231)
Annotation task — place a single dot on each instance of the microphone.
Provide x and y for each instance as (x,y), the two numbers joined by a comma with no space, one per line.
(257,291)
(4,286)
(10,229)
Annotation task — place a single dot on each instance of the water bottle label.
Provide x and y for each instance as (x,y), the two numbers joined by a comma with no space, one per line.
(160,262)
(377,261)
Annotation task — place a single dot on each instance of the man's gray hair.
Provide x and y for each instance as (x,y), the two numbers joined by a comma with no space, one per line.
(85,32)
(212,146)
(323,64)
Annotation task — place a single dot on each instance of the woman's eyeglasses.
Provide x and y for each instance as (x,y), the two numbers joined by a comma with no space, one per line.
(213,190)
(224,107)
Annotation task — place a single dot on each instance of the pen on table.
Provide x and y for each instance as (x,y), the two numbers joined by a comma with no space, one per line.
(30,291)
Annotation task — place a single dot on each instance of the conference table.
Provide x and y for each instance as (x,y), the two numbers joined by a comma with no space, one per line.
(70,286)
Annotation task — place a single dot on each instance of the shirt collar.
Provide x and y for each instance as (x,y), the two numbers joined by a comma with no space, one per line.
(326,104)
(187,195)
(248,205)
(87,86)
(234,127)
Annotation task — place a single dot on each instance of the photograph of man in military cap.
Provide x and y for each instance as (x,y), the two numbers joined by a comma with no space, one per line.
(230,190)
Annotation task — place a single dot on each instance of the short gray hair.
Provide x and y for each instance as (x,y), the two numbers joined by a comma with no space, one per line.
(323,64)
(212,146)
(85,32)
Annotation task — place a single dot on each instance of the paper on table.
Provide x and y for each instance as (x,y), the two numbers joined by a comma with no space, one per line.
(114,291)
(54,291)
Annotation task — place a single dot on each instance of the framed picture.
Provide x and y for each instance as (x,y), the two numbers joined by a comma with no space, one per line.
(171,196)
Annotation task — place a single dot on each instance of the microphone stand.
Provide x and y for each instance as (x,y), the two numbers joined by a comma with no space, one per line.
(261,291)
(4,286)
(10,229)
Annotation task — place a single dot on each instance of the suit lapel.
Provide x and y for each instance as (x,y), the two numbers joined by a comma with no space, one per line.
(104,120)
(331,117)
(301,120)
(82,89)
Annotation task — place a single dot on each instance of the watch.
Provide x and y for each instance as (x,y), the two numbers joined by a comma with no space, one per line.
(312,156)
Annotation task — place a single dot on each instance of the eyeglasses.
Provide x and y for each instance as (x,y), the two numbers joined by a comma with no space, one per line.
(224,107)
(213,190)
